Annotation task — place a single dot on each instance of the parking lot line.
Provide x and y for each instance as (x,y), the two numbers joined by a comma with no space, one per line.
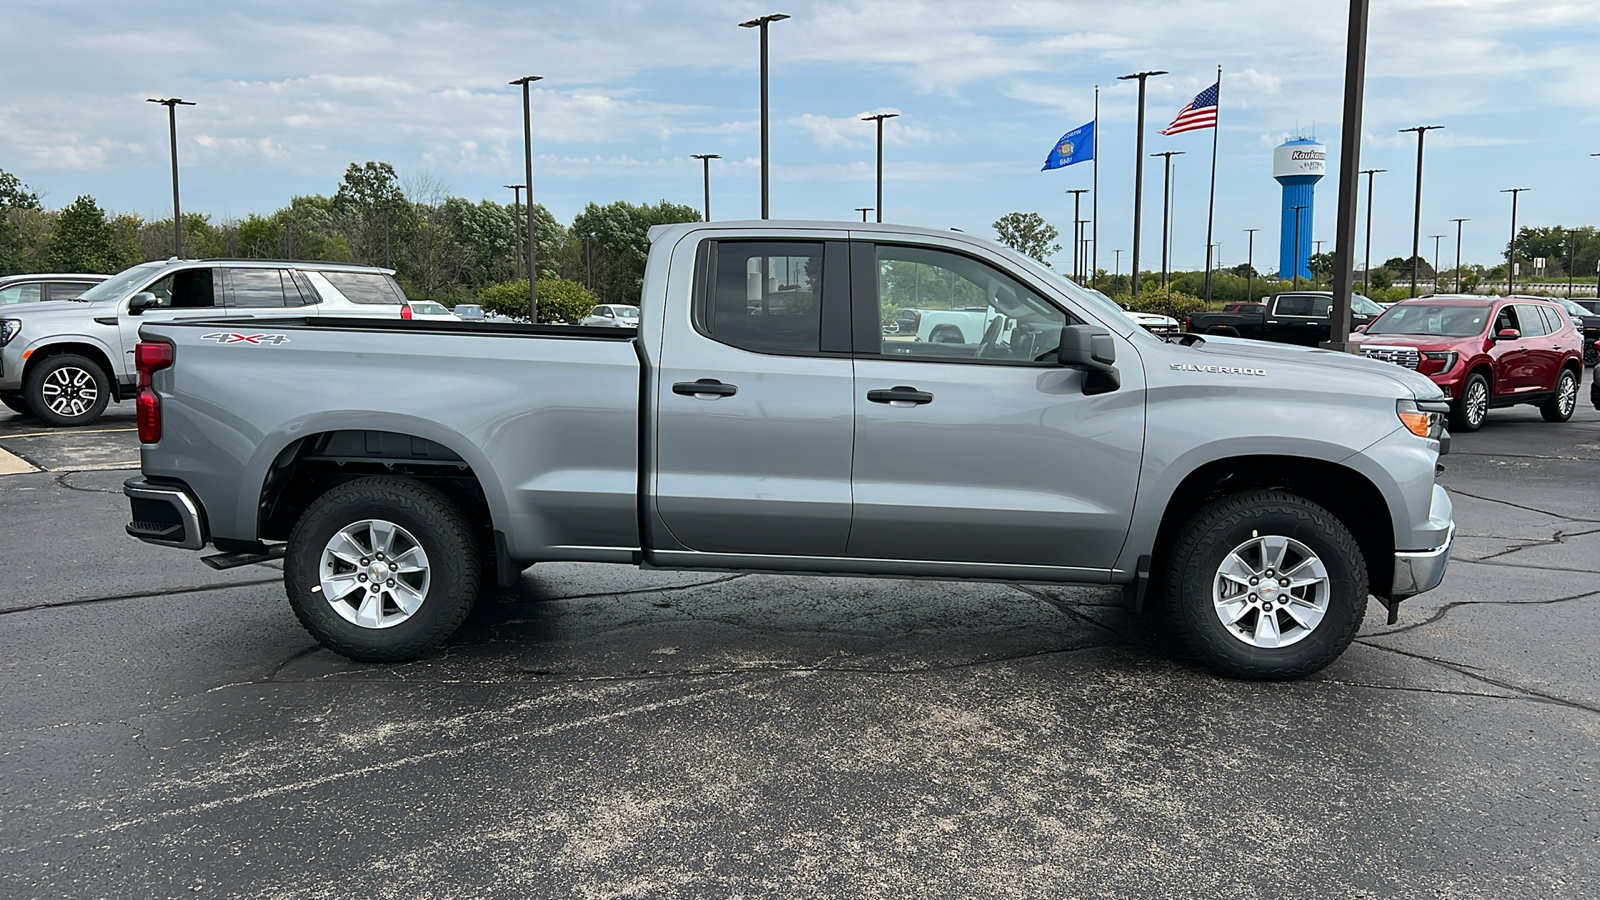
(57,433)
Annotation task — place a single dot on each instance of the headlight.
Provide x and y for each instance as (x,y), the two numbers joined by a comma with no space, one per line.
(1436,361)
(1428,423)
(9,328)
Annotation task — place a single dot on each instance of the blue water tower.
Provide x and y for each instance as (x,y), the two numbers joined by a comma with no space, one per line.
(1297,165)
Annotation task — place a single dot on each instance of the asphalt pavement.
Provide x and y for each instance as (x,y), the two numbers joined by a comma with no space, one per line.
(597,731)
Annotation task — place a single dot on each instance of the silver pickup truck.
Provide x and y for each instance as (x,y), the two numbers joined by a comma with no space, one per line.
(759,419)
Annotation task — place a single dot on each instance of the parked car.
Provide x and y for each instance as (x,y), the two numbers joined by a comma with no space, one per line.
(45,287)
(1292,317)
(427,309)
(773,428)
(613,315)
(1154,323)
(1587,321)
(1485,352)
(469,312)
(63,362)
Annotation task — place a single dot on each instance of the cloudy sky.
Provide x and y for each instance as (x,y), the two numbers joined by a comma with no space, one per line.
(290,92)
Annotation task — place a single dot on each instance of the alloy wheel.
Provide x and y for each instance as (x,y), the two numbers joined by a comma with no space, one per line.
(1271,591)
(374,573)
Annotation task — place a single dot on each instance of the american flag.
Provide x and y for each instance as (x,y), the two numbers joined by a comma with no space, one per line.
(1200,113)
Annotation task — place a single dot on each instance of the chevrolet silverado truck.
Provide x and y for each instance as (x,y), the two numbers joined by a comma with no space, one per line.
(759,420)
(1293,317)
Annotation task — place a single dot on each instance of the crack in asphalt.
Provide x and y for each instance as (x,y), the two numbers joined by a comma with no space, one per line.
(1068,610)
(138,595)
(1542,512)
(1446,608)
(1559,537)
(1511,565)
(1467,671)
(650,590)
(61,480)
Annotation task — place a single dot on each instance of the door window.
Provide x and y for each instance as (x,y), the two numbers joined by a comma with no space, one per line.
(185,289)
(763,296)
(1529,322)
(19,293)
(1552,319)
(964,310)
(1294,306)
(262,288)
(66,290)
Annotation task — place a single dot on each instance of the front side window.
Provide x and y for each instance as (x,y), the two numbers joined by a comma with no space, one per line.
(764,296)
(963,309)
(185,289)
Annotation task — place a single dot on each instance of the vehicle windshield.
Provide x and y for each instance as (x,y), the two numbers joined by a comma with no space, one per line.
(1437,319)
(1574,307)
(114,287)
(627,312)
(1364,306)
(1098,300)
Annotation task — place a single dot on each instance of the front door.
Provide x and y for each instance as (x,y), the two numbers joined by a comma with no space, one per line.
(753,400)
(987,451)
(181,294)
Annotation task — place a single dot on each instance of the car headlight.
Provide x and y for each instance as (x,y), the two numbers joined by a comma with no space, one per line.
(9,328)
(1437,361)
(1421,421)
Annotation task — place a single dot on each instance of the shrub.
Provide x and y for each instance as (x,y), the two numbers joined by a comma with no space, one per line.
(1168,302)
(560,300)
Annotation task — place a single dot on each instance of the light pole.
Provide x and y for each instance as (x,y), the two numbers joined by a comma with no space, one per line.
(1138,173)
(762,24)
(1116,264)
(1436,238)
(1077,198)
(1416,220)
(516,214)
(705,162)
(1366,267)
(588,260)
(1572,247)
(863,210)
(1511,248)
(1166,197)
(1458,251)
(1316,278)
(172,104)
(1295,282)
(527,159)
(1250,265)
(1344,240)
(879,117)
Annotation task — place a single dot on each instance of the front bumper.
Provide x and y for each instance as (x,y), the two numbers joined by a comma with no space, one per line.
(165,514)
(1419,571)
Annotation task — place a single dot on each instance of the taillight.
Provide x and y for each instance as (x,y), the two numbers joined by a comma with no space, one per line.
(1188,323)
(150,357)
(405,311)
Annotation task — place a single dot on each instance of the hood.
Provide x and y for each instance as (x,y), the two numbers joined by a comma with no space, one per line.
(1217,350)
(48,310)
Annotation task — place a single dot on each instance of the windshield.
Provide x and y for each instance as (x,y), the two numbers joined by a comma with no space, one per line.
(117,285)
(1438,319)
(1364,306)
(1573,307)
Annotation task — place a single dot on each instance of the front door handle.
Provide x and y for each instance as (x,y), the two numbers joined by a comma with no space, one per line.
(705,389)
(900,394)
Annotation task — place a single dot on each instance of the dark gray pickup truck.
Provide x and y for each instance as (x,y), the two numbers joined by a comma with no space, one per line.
(1297,317)
(759,419)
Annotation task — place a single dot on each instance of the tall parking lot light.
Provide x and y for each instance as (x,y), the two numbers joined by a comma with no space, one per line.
(1077,199)
(762,24)
(1296,282)
(1166,209)
(1511,248)
(1366,267)
(1436,238)
(1416,219)
(516,214)
(527,158)
(879,119)
(1138,172)
(1250,265)
(1458,251)
(705,162)
(172,104)
(863,210)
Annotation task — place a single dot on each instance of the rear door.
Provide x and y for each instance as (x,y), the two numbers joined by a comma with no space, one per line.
(1511,363)
(984,453)
(1540,323)
(261,292)
(753,400)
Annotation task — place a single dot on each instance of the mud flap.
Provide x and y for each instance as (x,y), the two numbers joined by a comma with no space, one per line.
(1133,594)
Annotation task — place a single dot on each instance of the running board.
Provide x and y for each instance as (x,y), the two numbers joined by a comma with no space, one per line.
(221,561)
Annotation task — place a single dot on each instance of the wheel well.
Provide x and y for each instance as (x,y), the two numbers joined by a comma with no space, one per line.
(1487,372)
(313,465)
(88,351)
(1347,494)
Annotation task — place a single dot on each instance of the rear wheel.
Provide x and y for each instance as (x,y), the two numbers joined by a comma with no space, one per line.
(66,390)
(1560,406)
(382,569)
(1472,407)
(1266,585)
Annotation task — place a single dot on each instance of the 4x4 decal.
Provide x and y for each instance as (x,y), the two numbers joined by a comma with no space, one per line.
(230,337)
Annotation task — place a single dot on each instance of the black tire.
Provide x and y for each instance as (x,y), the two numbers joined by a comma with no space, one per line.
(1228,525)
(66,390)
(1559,408)
(1467,413)
(16,403)
(435,524)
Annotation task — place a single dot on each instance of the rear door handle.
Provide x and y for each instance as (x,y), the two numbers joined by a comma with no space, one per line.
(900,394)
(705,389)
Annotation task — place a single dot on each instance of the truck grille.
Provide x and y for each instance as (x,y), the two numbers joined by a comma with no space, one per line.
(1410,357)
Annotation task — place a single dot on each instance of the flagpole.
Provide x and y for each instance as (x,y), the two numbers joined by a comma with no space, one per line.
(1211,207)
(1094,198)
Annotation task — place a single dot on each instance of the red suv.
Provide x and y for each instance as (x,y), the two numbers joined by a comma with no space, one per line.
(1484,352)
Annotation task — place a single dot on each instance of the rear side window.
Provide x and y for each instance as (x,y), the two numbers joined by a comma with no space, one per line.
(366,287)
(763,295)
(261,287)
(1294,306)
(1529,321)
(1552,319)
(66,290)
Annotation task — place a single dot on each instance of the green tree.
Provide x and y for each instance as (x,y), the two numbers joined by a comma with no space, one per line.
(372,213)
(1028,234)
(15,201)
(1380,278)
(1321,265)
(619,239)
(559,300)
(83,241)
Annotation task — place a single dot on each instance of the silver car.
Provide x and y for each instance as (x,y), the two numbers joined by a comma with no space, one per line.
(615,315)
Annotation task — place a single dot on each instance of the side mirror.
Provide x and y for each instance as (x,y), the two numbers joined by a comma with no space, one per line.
(1508,334)
(1091,349)
(142,301)
(1362,326)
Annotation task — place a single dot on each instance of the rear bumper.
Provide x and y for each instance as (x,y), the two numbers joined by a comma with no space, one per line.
(165,514)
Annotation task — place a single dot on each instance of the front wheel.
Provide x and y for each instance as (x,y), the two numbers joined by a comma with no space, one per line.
(1472,407)
(1266,585)
(66,390)
(1559,407)
(382,569)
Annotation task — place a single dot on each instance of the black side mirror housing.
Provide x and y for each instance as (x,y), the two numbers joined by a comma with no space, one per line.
(1091,348)
(142,301)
